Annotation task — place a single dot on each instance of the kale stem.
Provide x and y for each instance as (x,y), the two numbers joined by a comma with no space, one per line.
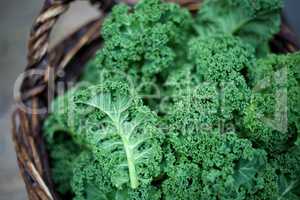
(129,154)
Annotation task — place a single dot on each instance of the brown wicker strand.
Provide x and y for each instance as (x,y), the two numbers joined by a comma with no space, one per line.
(39,37)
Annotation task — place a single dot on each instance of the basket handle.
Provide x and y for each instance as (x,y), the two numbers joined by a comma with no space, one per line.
(44,23)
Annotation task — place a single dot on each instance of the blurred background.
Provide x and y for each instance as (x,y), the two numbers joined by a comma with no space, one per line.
(16,18)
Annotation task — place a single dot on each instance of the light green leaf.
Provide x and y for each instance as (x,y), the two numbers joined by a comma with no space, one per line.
(253,21)
(120,134)
(287,188)
(247,169)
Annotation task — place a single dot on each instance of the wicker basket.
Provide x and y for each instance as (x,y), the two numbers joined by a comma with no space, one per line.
(69,56)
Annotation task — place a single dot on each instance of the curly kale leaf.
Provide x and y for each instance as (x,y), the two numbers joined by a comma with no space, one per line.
(210,165)
(254,21)
(184,181)
(196,112)
(220,93)
(89,180)
(246,170)
(63,154)
(62,131)
(220,61)
(265,185)
(217,58)
(289,189)
(126,131)
(58,120)
(142,42)
(273,116)
(67,118)
(288,169)
(148,192)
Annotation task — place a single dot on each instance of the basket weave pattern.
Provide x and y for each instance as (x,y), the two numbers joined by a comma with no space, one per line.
(69,56)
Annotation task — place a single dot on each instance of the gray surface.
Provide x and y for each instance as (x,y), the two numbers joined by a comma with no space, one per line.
(292,13)
(16,17)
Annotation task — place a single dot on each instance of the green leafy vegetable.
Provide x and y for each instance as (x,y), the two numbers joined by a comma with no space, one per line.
(253,21)
(273,116)
(126,131)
